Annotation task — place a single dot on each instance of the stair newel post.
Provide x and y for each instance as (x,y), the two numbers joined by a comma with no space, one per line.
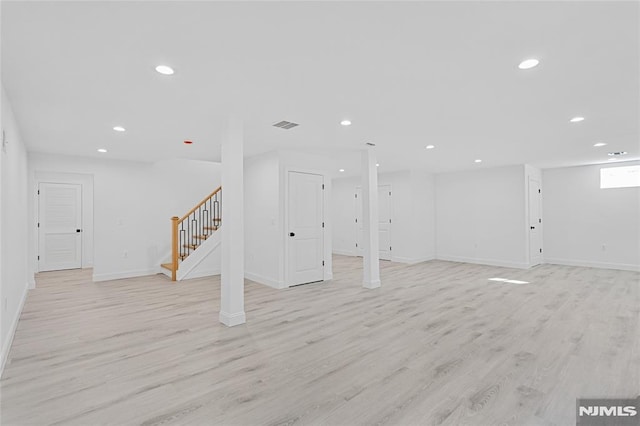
(174,247)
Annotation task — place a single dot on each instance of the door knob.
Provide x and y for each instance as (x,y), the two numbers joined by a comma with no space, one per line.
(292,234)
(78,230)
(533,227)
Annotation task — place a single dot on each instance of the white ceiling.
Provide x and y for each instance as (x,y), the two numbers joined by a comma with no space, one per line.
(406,74)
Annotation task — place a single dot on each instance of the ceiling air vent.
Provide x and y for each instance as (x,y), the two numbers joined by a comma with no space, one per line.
(615,154)
(285,125)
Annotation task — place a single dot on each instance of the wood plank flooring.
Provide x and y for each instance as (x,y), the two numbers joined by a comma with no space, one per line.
(437,344)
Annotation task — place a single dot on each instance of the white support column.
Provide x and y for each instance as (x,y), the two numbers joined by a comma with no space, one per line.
(371,255)
(232,276)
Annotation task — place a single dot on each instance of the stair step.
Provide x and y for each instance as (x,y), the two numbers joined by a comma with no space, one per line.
(168,266)
(189,246)
(216,219)
(202,237)
(211,228)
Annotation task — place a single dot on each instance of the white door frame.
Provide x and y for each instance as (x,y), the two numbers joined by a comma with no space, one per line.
(357,249)
(86,184)
(538,224)
(326,231)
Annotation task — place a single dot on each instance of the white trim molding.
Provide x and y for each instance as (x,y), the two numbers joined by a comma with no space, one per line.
(489,262)
(126,274)
(264,280)
(231,320)
(12,329)
(590,264)
(412,260)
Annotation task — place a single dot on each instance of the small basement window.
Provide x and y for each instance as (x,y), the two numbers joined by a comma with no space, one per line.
(620,177)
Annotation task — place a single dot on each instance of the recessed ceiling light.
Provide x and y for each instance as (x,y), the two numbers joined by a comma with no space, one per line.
(599,144)
(478,161)
(341,170)
(188,142)
(576,119)
(119,129)
(345,123)
(612,159)
(377,164)
(528,64)
(430,146)
(102,150)
(164,69)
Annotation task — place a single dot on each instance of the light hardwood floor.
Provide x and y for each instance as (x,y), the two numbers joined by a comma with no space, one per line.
(437,344)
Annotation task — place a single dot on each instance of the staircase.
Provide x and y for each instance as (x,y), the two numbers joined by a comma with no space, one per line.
(192,230)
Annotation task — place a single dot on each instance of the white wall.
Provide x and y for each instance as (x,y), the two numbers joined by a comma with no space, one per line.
(589,226)
(133,205)
(481,218)
(424,216)
(14,271)
(263,225)
(412,215)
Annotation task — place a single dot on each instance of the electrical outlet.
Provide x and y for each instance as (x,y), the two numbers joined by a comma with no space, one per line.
(604,247)
(125,254)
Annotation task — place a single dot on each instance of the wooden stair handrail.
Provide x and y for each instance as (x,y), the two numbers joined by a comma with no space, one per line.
(174,247)
(176,235)
(199,204)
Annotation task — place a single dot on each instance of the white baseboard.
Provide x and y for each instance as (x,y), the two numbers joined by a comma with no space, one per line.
(231,320)
(344,253)
(588,264)
(264,280)
(32,282)
(412,260)
(12,329)
(489,262)
(126,274)
(371,284)
(199,274)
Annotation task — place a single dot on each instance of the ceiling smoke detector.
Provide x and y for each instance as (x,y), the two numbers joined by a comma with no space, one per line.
(617,153)
(370,144)
(286,125)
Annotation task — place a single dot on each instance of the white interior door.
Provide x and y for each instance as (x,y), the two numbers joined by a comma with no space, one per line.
(59,226)
(359,223)
(305,235)
(384,221)
(535,222)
